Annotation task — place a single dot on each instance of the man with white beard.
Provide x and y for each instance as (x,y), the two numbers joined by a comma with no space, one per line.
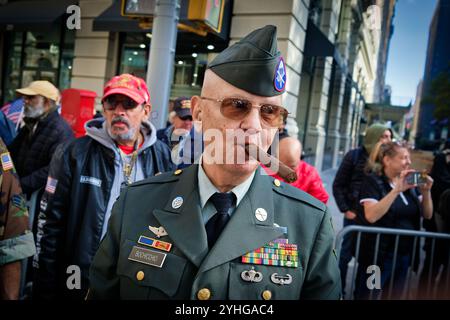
(86,178)
(44,130)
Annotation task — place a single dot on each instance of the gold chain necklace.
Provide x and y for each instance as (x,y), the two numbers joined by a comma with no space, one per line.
(128,166)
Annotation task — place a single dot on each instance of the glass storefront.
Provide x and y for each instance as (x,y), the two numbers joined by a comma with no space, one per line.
(134,54)
(188,72)
(37,55)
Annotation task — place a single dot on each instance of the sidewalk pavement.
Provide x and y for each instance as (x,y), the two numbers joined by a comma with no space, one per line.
(328,178)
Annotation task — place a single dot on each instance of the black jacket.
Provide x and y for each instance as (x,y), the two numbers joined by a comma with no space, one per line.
(74,214)
(349,178)
(32,155)
(441,176)
(378,187)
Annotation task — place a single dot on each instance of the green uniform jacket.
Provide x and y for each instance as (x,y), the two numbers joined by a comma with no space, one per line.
(190,267)
(16,239)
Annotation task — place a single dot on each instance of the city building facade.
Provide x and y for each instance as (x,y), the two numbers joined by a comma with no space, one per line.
(335,53)
(429,129)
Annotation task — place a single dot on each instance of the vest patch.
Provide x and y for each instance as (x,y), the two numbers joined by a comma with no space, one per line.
(91,180)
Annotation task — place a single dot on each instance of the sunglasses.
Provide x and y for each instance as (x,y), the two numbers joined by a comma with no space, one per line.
(186,118)
(111,103)
(238,109)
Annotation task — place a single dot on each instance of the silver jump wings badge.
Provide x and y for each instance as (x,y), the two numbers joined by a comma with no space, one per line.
(159,232)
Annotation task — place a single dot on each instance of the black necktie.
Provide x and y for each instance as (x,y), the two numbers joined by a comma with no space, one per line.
(223,202)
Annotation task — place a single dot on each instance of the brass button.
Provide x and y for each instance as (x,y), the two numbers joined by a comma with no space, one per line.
(178,172)
(140,275)
(267,295)
(204,294)
(277,182)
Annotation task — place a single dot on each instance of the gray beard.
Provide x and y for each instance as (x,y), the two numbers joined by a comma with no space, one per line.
(122,136)
(33,113)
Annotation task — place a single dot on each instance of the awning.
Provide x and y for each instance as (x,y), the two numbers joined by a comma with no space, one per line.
(317,44)
(32,15)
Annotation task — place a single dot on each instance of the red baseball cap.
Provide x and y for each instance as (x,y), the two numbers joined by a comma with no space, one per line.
(128,85)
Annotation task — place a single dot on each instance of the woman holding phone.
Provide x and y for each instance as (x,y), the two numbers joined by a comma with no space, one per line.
(389,201)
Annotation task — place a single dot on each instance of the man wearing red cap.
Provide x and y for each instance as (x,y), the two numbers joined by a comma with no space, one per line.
(88,176)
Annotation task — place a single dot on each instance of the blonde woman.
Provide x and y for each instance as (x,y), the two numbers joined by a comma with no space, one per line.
(389,201)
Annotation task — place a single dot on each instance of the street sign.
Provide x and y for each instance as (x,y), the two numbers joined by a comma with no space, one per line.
(207,13)
(138,8)
(198,16)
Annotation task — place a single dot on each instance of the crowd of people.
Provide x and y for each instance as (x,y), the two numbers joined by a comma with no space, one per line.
(73,208)
(143,214)
(373,187)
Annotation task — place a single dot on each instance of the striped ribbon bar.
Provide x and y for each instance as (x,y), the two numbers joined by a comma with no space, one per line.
(276,253)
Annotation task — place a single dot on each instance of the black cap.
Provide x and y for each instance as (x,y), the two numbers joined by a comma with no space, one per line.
(253,64)
(182,107)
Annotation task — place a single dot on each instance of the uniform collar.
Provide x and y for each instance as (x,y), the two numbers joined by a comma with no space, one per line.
(206,188)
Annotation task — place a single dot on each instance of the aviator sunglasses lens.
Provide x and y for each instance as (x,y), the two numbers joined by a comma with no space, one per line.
(235,109)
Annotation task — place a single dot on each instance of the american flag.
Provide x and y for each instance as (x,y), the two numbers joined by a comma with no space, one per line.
(13,110)
(6,161)
(51,185)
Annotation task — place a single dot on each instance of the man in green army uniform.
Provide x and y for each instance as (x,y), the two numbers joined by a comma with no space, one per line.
(16,240)
(222,229)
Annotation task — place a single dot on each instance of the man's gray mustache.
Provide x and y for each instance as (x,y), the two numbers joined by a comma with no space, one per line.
(120,119)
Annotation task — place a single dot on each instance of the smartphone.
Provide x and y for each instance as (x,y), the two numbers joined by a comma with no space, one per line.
(416,177)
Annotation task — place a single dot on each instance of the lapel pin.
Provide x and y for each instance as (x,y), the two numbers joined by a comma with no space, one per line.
(261,214)
(159,232)
(280,279)
(177,202)
(251,275)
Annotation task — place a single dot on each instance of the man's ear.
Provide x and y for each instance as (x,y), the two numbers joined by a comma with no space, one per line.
(147,109)
(196,108)
(47,104)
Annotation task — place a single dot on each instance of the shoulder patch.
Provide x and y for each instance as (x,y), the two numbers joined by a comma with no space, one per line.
(297,194)
(160,178)
(6,161)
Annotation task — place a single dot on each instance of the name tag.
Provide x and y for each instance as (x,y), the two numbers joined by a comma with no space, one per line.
(91,180)
(147,256)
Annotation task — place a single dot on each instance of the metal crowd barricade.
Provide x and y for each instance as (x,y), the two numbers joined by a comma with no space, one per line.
(358,230)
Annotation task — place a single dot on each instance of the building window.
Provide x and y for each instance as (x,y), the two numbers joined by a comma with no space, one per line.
(12,65)
(35,55)
(188,69)
(134,54)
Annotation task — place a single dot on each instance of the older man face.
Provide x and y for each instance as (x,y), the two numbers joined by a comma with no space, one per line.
(182,126)
(124,117)
(34,106)
(235,127)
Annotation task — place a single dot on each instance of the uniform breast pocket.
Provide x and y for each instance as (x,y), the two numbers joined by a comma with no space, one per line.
(257,282)
(142,281)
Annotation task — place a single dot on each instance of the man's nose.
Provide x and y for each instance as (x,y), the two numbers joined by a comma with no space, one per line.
(252,121)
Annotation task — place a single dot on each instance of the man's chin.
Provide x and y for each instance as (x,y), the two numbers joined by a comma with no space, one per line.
(119,127)
(120,134)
